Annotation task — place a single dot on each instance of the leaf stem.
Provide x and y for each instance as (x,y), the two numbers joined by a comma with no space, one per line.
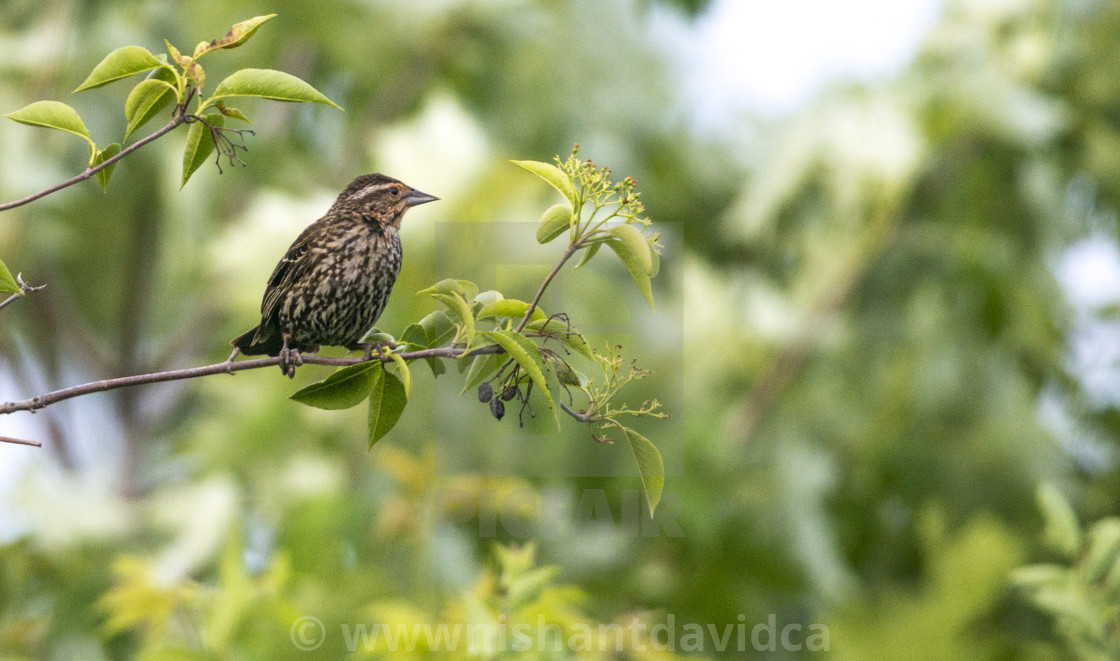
(572,248)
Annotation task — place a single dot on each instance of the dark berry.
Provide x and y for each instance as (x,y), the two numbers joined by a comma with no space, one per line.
(497,408)
(485,393)
(509,393)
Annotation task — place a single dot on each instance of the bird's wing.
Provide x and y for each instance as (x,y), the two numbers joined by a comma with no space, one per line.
(286,272)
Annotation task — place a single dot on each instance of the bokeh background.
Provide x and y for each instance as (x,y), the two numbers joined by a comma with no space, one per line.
(886,315)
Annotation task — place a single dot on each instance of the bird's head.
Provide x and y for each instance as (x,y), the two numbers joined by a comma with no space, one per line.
(382,198)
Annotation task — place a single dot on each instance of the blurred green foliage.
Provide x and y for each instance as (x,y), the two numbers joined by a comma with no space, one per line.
(861,331)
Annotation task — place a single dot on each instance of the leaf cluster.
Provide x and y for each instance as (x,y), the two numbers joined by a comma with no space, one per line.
(179,80)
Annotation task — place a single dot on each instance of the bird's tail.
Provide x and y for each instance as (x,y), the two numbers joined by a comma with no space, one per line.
(255,343)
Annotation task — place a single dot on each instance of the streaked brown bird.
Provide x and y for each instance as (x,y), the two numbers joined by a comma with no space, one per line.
(332,284)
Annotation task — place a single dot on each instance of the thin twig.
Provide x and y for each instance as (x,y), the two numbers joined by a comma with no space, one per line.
(544,285)
(90,171)
(36,403)
(582,417)
(20,441)
(11,299)
(23,289)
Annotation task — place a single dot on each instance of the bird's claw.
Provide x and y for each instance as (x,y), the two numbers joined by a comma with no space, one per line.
(290,359)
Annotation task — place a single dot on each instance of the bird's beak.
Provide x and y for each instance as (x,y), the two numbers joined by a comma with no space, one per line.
(416,197)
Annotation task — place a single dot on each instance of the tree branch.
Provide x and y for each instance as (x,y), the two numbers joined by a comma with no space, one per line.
(544,285)
(36,403)
(179,118)
(20,441)
(23,289)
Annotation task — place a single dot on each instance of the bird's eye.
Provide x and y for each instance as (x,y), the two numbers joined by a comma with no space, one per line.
(395,192)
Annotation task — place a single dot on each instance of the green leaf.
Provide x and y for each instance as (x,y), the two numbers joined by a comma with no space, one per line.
(415,335)
(1032,577)
(635,266)
(482,366)
(269,84)
(406,375)
(345,388)
(636,243)
(1103,549)
(564,333)
(554,176)
(386,403)
(237,35)
(465,288)
(1062,531)
(528,356)
(148,98)
(509,307)
(200,144)
(655,259)
(554,222)
(103,155)
(121,63)
(8,284)
(650,466)
(232,112)
(588,254)
(438,328)
(459,306)
(55,115)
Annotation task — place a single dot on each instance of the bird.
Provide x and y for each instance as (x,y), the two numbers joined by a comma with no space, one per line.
(331,286)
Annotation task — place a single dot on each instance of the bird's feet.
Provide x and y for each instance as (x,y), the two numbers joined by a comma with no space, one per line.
(290,359)
(229,361)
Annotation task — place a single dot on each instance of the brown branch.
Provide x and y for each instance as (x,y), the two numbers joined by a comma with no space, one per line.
(20,441)
(11,299)
(36,403)
(179,118)
(544,285)
(23,289)
(582,417)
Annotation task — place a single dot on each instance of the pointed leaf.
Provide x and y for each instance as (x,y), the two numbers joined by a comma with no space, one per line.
(345,388)
(8,284)
(565,333)
(482,366)
(634,265)
(554,176)
(528,356)
(237,35)
(650,466)
(200,144)
(386,403)
(588,254)
(462,310)
(465,288)
(637,244)
(405,375)
(509,307)
(103,155)
(148,98)
(54,115)
(121,63)
(269,84)
(554,222)
(1062,530)
(232,112)
(655,259)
